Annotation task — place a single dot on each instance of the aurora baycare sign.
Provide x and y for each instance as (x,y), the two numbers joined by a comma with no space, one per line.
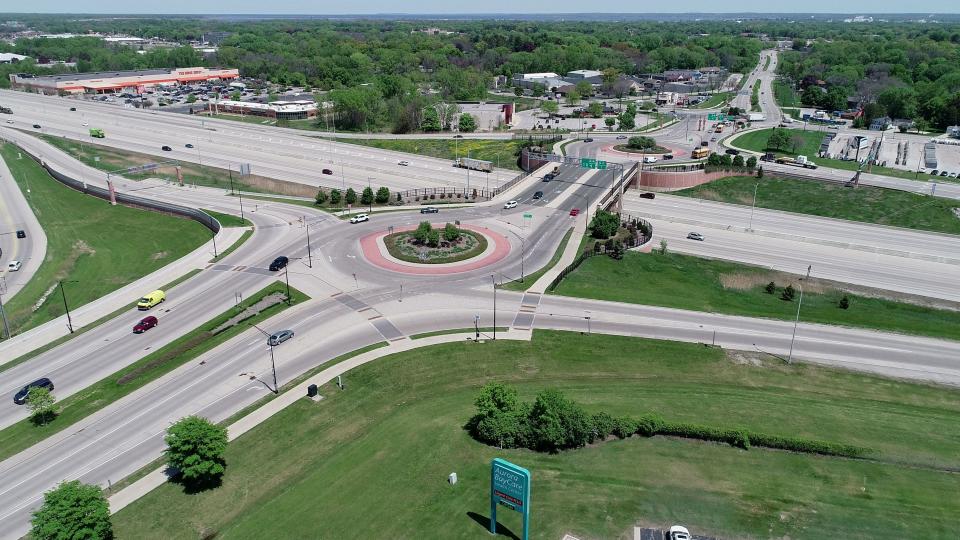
(509,486)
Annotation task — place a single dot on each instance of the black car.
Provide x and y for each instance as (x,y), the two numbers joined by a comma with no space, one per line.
(429,210)
(548,177)
(538,195)
(588,140)
(327,171)
(648,195)
(72,109)
(732,152)
(36,126)
(668,156)
(278,263)
(21,397)
(188,145)
(166,148)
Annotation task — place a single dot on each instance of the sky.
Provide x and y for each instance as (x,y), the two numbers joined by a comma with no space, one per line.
(339,7)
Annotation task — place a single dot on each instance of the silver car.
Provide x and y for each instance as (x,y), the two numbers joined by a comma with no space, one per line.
(279,337)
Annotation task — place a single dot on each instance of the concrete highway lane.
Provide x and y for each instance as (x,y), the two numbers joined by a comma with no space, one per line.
(15,215)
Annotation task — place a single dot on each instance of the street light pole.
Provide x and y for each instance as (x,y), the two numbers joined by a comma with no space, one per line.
(752,206)
(273,364)
(3,313)
(494,280)
(65,307)
(309,255)
(286,276)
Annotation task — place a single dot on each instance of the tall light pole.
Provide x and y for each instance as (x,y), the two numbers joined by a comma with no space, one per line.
(370,200)
(286,277)
(795,322)
(755,188)
(65,307)
(3,313)
(494,280)
(522,253)
(239,194)
(309,255)
(273,364)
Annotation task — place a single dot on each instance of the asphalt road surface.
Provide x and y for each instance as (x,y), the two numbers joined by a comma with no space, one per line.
(15,214)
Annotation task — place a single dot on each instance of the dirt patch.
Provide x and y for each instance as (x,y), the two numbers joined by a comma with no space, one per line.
(746,358)
(159,255)
(264,303)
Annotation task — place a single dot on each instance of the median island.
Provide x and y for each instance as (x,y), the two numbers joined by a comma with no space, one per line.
(429,245)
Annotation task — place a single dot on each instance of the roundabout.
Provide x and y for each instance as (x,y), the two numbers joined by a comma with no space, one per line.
(476,248)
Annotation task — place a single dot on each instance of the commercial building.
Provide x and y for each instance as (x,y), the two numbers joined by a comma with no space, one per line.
(10,58)
(110,82)
(580,74)
(281,110)
(488,116)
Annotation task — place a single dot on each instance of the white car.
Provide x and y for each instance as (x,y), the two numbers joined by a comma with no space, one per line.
(85,124)
(9,121)
(649,159)
(359,218)
(678,533)
(403,163)
(509,205)
(13,266)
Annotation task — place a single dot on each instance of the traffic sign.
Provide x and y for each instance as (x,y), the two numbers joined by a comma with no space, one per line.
(588,163)
(601,164)
(711,116)
(527,216)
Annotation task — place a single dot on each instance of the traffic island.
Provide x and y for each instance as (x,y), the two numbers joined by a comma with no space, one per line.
(412,251)
(450,245)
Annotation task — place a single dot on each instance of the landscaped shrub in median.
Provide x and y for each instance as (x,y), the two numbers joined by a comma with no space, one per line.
(553,423)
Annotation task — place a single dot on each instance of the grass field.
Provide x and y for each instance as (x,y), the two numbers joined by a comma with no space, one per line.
(229,220)
(866,204)
(755,97)
(90,244)
(785,94)
(372,461)
(715,100)
(161,361)
(809,145)
(687,282)
(486,149)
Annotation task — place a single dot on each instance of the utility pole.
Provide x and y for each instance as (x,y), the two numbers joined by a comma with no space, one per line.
(494,280)
(309,255)
(273,364)
(65,307)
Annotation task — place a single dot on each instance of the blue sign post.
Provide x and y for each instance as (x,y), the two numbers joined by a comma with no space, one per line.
(509,486)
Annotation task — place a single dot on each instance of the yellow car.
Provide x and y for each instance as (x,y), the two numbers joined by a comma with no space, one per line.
(151,300)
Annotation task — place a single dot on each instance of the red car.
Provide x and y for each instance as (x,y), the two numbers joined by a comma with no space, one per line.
(145,324)
(575,212)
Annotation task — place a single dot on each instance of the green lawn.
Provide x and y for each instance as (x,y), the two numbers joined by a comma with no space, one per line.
(74,408)
(755,97)
(865,203)
(715,101)
(687,282)
(89,241)
(372,461)
(229,220)
(808,144)
(486,149)
(785,94)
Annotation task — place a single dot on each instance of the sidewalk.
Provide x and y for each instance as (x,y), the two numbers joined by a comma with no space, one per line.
(158,477)
(37,337)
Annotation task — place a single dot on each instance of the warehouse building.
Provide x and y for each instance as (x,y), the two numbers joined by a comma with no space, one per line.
(112,82)
(281,110)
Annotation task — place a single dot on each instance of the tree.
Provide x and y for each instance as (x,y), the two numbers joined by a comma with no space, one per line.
(844,302)
(573,97)
(796,143)
(584,89)
(383,195)
(760,172)
(335,197)
(72,511)
(663,246)
(451,233)
(610,122)
(430,121)
(788,293)
(595,109)
(726,160)
(433,238)
(501,418)
(549,107)
(752,161)
(627,121)
(642,143)
(518,91)
(191,98)
(609,77)
(557,422)
(366,197)
(770,288)
(467,123)
(604,224)
(778,139)
(235,95)
(41,404)
(350,197)
(738,161)
(195,447)
(321,197)
(538,89)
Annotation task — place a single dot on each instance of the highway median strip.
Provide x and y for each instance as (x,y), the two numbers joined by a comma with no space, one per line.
(24,434)
(531,278)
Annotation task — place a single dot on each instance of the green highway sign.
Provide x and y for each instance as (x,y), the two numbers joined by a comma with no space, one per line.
(528,216)
(509,486)
(601,164)
(588,163)
(711,116)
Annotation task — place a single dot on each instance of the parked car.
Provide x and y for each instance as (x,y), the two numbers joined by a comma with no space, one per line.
(166,148)
(188,145)
(575,212)
(510,204)
(403,163)
(648,195)
(9,121)
(21,397)
(429,210)
(943,173)
(677,532)
(359,218)
(145,324)
(151,300)
(538,195)
(278,263)
(695,236)
(327,171)
(934,172)
(279,337)
(13,266)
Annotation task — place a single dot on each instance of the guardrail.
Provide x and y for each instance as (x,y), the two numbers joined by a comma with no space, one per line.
(127,200)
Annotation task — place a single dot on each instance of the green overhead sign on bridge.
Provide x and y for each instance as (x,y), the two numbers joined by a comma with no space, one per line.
(590,163)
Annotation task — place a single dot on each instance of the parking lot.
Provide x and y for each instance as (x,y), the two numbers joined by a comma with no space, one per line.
(898,150)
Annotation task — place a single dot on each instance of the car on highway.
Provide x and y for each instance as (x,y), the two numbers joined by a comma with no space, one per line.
(36,126)
(151,300)
(648,195)
(145,324)
(458,136)
(575,212)
(429,210)
(21,397)
(621,137)
(713,139)
(188,145)
(588,140)
(548,177)
(359,218)
(13,266)
(732,152)
(9,121)
(649,159)
(327,171)
(403,163)
(510,204)
(278,263)
(538,195)
(72,109)
(166,148)
(85,124)
(279,337)
(695,236)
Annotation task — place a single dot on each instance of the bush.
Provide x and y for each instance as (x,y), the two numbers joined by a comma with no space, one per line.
(195,447)
(451,233)
(366,197)
(649,425)
(752,161)
(604,224)
(738,161)
(733,437)
(350,197)
(557,423)
(433,238)
(624,427)
(663,247)
(808,446)
(422,234)
(335,197)
(321,197)
(641,143)
(770,288)
(788,293)
(844,302)
(760,172)
(603,425)
(383,196)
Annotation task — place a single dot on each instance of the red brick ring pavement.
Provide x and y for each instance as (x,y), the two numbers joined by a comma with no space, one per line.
(370,247)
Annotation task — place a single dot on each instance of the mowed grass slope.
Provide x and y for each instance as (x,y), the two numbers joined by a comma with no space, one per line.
(100,246)
(865,203)
(486,149)
(371,461)
(694,283)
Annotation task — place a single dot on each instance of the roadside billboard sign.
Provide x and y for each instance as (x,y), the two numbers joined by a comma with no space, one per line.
(510,487)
